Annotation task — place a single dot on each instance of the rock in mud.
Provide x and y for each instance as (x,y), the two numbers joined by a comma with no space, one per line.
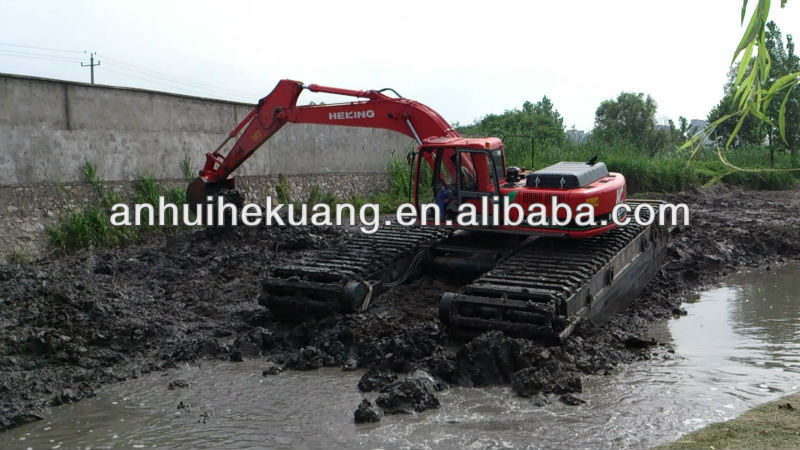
(638,343)
(442,365)
(67,395)
(531,381)
(438,384)
(679,312)
(376,380)
(399,351)
(571,400)
(251,345)
(210,348)
(177,384)
(350,364)
(568,383)
(309,358)
(367,412)
(64,397)
(271,369)
(487,360)
(13,417)
(540,400)
(204,417)
(408,396)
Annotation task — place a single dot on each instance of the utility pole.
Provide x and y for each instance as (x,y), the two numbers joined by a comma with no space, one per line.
(91,64)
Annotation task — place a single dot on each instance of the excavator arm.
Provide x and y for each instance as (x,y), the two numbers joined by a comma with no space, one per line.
(377,110)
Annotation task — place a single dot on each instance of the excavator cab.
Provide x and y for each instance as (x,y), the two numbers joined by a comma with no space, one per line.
(458,171)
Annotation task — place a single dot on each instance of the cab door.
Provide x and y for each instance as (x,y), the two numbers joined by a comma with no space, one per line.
(429,177)
(478,179)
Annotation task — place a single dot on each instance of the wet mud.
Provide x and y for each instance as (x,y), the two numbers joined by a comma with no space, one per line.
(71,325)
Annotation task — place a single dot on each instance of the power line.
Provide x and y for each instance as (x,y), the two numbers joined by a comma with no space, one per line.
(40,48)
(124,69)
(173,86)
(149,72)
(37,56)
(184,84)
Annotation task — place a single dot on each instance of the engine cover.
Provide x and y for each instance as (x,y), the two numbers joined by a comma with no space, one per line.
(567,175)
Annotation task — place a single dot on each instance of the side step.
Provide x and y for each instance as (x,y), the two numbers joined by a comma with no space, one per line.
(544,290)
(345,278)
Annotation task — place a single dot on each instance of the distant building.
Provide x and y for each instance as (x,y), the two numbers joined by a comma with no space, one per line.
(576,136)
(695,126)
(698,125)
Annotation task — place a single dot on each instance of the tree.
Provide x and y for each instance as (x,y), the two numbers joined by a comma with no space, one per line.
(784,62)
(685,127)
(630,118)
(540,119)
(752,131)
(751,94)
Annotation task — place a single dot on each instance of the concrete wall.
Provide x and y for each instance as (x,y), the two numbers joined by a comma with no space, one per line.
(49,128)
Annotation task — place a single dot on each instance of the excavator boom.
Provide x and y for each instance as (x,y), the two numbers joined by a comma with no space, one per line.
(280,107)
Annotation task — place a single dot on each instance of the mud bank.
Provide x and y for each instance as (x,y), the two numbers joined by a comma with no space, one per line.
(72,325)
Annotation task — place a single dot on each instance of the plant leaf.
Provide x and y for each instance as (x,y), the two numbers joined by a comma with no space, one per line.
(744,10)
(782,112)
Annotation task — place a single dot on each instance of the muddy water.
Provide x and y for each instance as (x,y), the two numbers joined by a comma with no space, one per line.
(739,346)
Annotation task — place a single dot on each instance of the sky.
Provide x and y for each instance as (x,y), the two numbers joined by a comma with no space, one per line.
(464,59)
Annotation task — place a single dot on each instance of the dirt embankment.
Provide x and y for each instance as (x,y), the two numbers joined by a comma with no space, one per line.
(72,325)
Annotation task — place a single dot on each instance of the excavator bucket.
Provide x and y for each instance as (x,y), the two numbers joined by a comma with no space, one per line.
(199,190)
(196,192)
(201,193)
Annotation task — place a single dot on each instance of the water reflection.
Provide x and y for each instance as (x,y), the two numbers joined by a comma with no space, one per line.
(754,319)
(765,310)
(738,347)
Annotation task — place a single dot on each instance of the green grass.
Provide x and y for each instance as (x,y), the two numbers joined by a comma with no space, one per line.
(318,196)
(17,257)
(88,228)
(186,168)
(91,226)
(769,426)
(666,171)
(146,190)
(282,190)
(398,190)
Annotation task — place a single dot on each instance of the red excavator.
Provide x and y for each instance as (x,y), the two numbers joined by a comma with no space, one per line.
(528,280)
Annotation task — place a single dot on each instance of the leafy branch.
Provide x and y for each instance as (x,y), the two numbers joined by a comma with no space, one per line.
(751,93)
